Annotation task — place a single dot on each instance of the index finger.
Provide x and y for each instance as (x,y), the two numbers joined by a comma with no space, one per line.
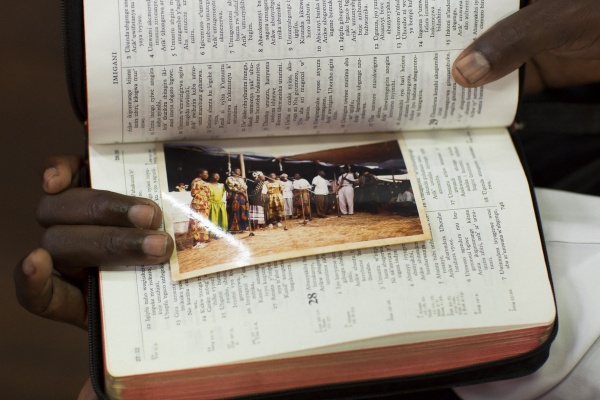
(79,206)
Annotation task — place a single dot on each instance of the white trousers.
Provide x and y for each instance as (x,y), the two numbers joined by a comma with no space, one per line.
(346,199)
(288,206)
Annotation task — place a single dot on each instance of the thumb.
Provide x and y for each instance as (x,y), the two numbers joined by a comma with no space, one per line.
(41,291)
(510,43)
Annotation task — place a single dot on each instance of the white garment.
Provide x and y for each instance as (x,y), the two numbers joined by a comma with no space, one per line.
(287,191)
(405,197)
(321,185)
(346,193)
(346,200)
(288,198)
(300,184)
(346,179)
(571,224)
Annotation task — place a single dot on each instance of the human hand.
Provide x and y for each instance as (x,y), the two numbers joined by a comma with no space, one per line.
(85,228)
(559,40)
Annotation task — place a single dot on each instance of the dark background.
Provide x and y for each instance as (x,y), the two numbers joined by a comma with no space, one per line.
(39,359)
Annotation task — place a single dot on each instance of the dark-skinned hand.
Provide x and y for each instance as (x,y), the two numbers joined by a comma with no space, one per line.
(84,228)
(559,40)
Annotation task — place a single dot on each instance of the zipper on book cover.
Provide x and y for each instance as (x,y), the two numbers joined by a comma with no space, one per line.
(95,337)
(483,372)
(95,353)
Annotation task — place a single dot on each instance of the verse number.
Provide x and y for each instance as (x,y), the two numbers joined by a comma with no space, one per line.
(312,298)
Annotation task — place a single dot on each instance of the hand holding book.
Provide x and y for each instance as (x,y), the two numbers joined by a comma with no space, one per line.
(559,42)
(77,220)
(50,281)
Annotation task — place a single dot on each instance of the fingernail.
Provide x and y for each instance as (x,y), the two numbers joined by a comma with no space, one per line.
(141,215)
(28,265)
(473,67)
(50,173)
(155,245)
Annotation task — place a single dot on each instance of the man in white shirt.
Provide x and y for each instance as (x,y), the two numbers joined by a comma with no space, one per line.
(404,204)
(288,195)
(321,190)
(346,192)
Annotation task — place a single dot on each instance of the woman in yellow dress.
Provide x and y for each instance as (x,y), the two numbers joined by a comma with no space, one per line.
(275,209)
(218,208)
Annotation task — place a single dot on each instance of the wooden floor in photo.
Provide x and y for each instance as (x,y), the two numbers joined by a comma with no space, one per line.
(319,232)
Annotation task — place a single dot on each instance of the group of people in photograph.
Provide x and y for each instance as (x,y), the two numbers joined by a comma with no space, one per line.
(268,201)
(208,204)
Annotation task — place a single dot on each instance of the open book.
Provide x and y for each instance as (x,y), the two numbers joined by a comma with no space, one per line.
(288,86)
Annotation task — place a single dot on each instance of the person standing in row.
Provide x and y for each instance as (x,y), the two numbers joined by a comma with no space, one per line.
(237,193)
(321,189)
(368,189)
(346,192)
(200,207)
(218,210)
(288,195)
(274,202)
(301,197)
(257,211)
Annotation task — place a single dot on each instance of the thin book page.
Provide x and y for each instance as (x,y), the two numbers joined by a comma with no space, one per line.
(241,216)
(483,271)
(171,71)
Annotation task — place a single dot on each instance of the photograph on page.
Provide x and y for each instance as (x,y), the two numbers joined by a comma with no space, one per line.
(228,208)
